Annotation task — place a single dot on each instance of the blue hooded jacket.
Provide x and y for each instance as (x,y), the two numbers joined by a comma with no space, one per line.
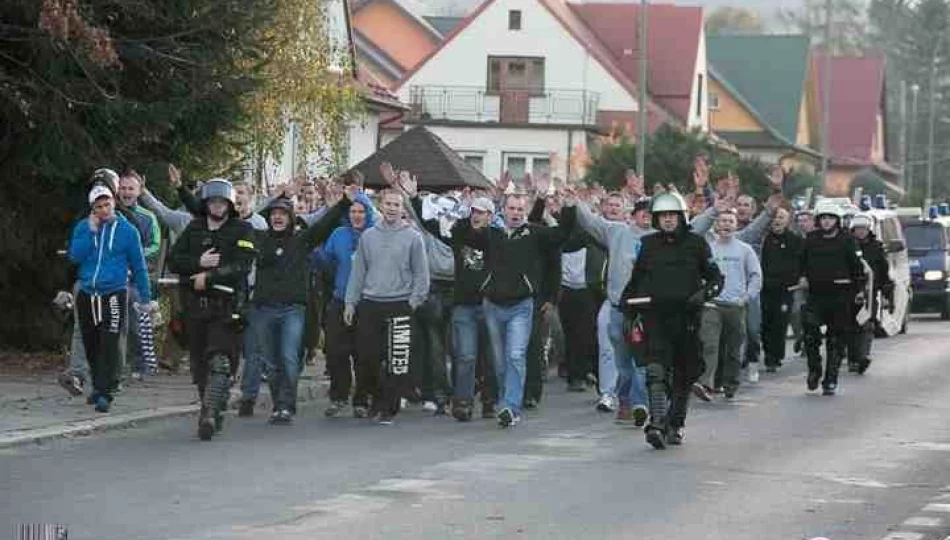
(105,257)
(337,253)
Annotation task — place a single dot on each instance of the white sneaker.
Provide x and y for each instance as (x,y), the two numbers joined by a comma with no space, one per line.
(429,406)
(606,404)
(403,403)
(753,373)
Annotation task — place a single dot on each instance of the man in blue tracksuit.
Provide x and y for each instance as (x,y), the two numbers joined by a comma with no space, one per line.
(106,247)
(337,255)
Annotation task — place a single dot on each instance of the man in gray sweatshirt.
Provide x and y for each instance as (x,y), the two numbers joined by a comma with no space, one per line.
(389,280)
(724,319)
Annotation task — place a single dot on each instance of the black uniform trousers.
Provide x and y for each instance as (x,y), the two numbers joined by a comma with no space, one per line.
(776,309)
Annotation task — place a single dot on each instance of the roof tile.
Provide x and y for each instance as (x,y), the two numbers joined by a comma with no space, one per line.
(436,166)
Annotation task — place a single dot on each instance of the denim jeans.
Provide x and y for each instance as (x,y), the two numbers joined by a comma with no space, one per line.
(465,323)
(607,367)
(255,363)
(509,328)
(631,381)
(280,334)
(432,320)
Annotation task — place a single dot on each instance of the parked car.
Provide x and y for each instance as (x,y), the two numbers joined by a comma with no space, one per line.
(928,248)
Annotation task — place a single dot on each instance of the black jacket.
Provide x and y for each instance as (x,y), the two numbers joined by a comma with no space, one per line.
(518,261)
(283,275)
(832,264)
(872,251)
(781,260)
(234,240)
(672,270)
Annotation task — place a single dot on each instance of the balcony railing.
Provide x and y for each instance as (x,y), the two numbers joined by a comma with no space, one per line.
(475,104)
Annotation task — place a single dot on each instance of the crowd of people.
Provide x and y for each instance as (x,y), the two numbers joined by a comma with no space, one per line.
(460,298)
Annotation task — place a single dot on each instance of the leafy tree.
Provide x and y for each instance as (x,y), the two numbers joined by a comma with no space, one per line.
(734,20)
(848,28)
(669,160)
(92,83)
(307,80)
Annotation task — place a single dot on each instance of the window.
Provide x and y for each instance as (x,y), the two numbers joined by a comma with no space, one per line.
(514,19)
(515,73)
(519,164)
(713,101)
(475,160)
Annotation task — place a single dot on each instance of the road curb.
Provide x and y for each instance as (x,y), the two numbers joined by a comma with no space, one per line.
(82,428)
(87,427)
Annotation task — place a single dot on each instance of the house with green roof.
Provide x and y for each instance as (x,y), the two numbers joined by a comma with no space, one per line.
(763,97)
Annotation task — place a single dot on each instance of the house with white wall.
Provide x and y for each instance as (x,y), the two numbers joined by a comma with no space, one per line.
(525,85)
(363,137)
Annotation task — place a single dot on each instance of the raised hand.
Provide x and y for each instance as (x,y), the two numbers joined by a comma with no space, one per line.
(634,185)
(700,173)
(389,175)
(528,183)
(543,184)
(408,183)
(777,177)
(504,182)
(174,176)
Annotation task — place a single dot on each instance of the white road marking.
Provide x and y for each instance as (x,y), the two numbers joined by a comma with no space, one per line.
(904,536)
(921,521)
(852,481)
(938,507)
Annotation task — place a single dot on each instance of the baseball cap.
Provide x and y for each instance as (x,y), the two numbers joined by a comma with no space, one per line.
(483,204)
(97,192)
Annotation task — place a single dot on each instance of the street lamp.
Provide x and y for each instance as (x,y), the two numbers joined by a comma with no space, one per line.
(932,99)
(915,94)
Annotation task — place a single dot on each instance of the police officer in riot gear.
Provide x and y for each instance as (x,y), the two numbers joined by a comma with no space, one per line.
(674,275)
(212,258)
(834,276)
(872,251)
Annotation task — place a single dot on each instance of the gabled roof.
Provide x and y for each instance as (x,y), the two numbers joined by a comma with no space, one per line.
(770,138)
(444,25)
(410,8)
(578,29)
(767,73)
(375,92)
(857,97)
(673,34)
(379,58)
(419,151)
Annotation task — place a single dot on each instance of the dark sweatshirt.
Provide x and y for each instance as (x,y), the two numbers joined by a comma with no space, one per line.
(282,269)
(517,259)
(781,260)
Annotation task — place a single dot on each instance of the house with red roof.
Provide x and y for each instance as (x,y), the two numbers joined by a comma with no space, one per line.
(532,85)
(857,137)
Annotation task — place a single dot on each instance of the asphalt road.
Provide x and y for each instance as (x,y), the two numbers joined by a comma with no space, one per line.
(778,463)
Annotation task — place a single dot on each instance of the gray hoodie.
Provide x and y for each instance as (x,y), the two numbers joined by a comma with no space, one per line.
(389,266)
(623,244)
(751,234)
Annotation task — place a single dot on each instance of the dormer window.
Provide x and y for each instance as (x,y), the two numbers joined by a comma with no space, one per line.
(514,19)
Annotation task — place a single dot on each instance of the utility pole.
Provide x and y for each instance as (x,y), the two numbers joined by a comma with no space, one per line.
(826,97)
(932,99)
(642,116)
(912,139)
(903,134)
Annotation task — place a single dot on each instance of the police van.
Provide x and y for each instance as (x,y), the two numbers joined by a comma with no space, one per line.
(889,231)
(928,247)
